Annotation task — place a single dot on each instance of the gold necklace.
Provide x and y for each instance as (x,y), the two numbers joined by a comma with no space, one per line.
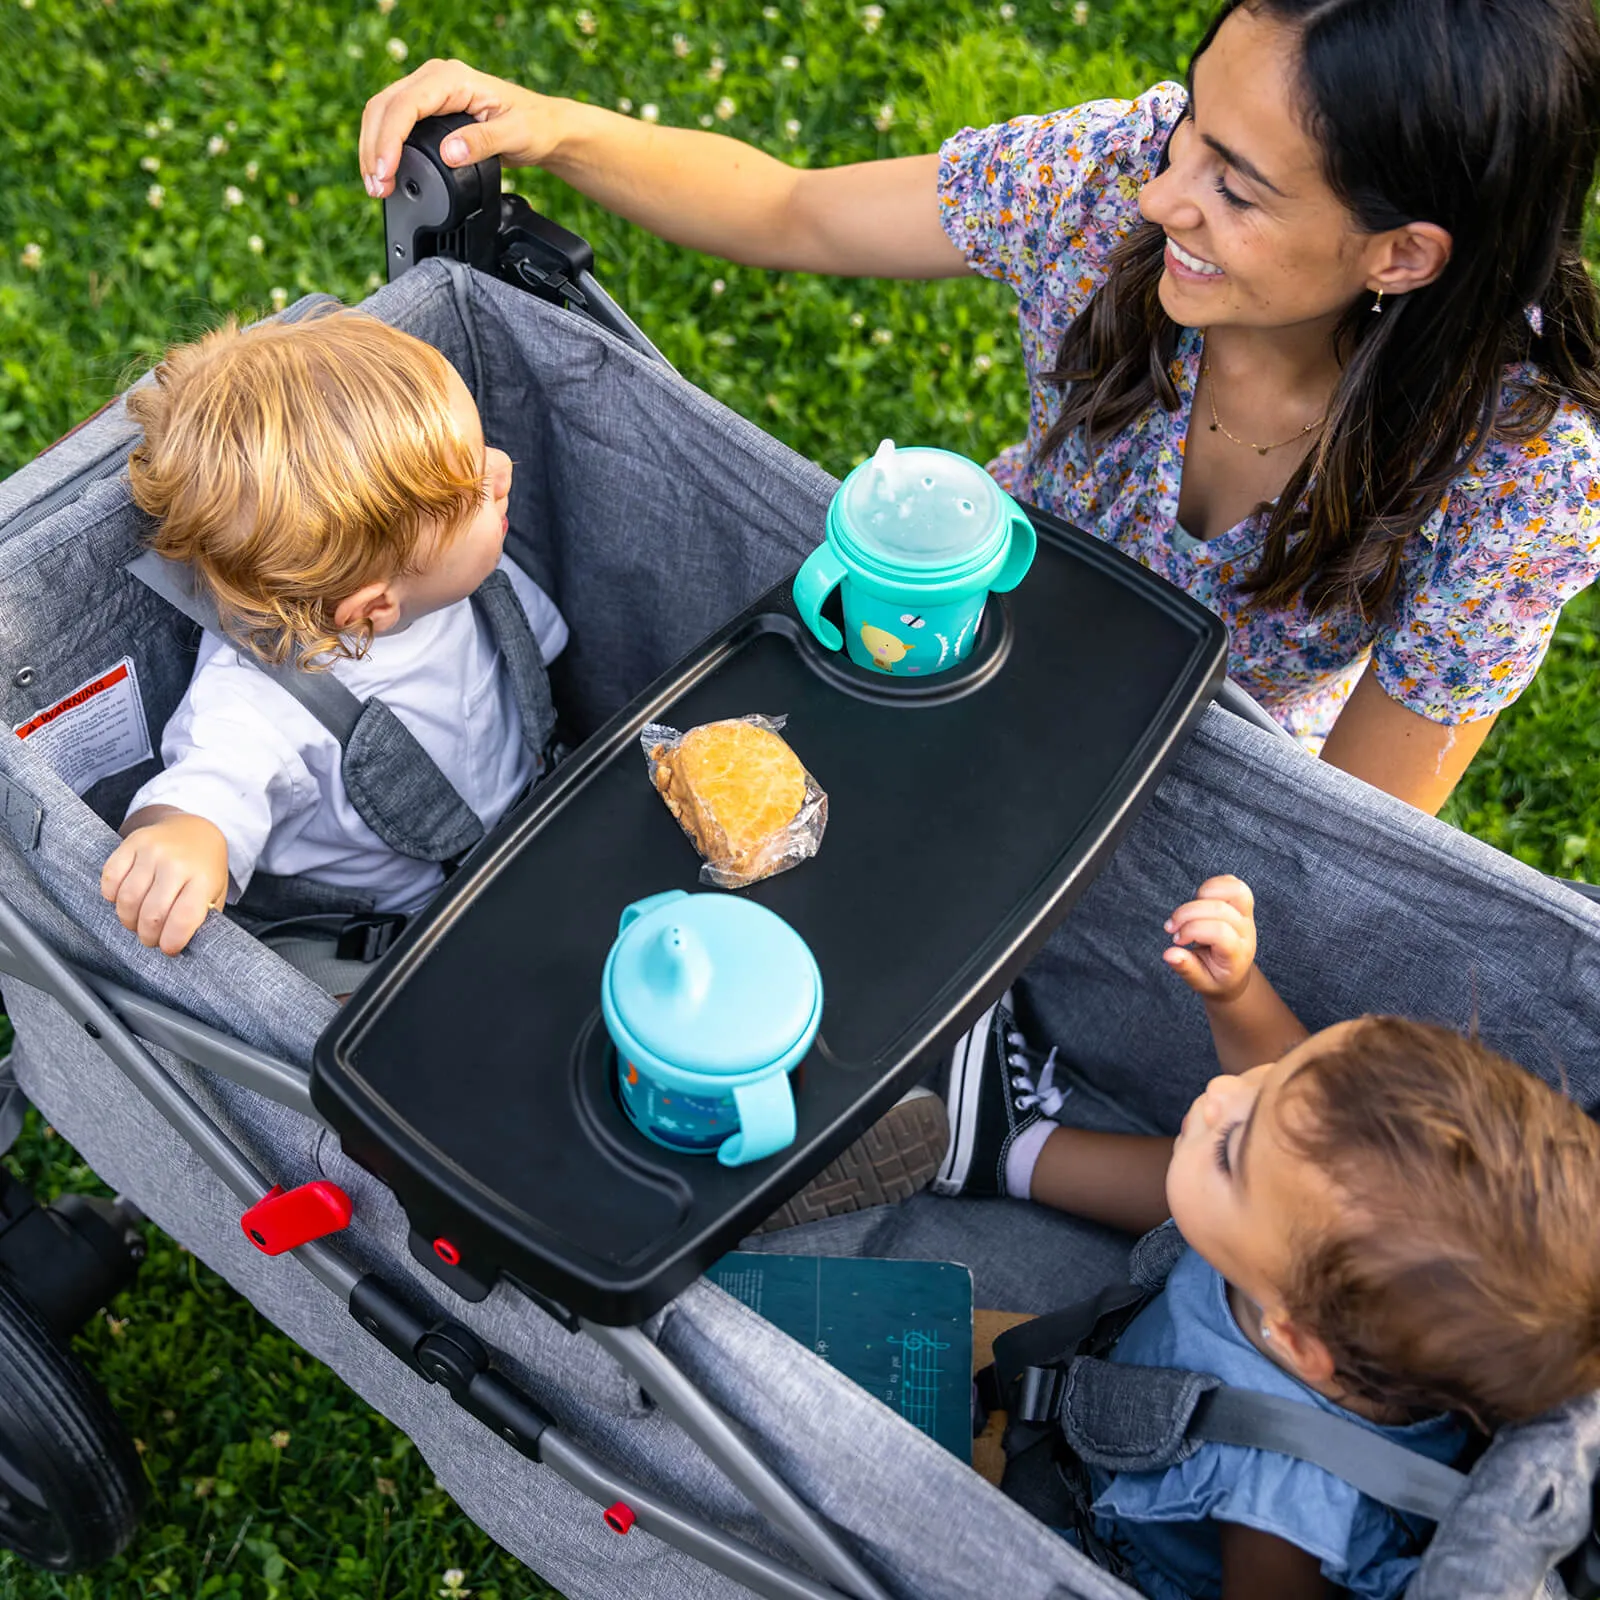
(1260,449)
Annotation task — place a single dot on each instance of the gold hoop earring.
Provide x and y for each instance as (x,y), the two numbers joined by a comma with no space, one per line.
(1377,304)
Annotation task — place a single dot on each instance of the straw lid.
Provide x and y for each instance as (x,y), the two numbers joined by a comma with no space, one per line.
(711,983)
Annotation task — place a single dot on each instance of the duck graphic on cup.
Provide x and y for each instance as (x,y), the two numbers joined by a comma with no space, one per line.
(917,540)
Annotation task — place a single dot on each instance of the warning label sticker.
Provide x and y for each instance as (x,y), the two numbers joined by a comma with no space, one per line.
(94,732)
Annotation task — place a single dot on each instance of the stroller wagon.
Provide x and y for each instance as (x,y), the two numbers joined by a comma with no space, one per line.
(739,1461)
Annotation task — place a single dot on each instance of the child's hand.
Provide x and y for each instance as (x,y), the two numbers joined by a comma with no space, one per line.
(164,877)
(1220,926)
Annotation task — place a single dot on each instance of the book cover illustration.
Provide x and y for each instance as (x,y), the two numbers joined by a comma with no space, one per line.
(902,1330)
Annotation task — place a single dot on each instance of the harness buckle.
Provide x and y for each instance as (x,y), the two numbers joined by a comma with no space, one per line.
(1039,1391)
(368,935)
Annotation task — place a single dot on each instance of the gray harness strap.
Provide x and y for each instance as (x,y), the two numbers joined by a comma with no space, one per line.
(1380,1468)
(333,705)
(1142,1419)
(395,786)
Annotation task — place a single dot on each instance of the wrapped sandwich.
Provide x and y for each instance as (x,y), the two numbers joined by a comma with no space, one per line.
(740,793)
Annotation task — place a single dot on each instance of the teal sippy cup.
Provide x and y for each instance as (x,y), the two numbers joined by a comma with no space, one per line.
(711,1001)
(916,540)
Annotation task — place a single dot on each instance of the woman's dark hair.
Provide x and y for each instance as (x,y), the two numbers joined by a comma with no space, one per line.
(1482,116)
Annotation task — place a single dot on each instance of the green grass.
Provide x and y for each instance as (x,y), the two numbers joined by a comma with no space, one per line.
(244,113)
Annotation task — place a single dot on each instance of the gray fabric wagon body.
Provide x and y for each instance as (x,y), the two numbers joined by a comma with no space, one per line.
(652,514)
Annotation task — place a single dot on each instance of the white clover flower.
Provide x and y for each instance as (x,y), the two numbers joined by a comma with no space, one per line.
(232,196)
(164,123)
(882,336)
(156,196)
(791,128)
(454,1584)
(680,46)
(586,23)
(1080,13)
(789,63)
(279,298)
(716,69)
(151,131)
(982,363)
(771,13)
(1008,12)
(857,320)
(624,105)
(251,169)
(884,120)
(32,256)
(355,51)
(216,145)
(375,282)
(725,108)
(27,5)
(704,119)
(279,1440)
(397,49)
(871,18)
(231,127)
(385,7)
(256,243)
(717,286)
(203,1487)
(650,111)
(150,163)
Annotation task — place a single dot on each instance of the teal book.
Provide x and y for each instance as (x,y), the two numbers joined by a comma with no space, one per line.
(900,1329)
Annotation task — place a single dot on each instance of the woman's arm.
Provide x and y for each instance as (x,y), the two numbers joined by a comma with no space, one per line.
(1398,750)
(701,190)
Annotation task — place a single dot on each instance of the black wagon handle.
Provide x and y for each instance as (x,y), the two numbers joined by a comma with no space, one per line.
(460,213)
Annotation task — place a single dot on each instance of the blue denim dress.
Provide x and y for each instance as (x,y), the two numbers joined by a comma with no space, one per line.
(1163,1522)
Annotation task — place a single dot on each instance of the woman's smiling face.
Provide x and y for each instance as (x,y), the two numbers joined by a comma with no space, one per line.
(1255,237)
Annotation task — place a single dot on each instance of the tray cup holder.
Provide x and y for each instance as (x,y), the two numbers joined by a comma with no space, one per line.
(609,1128)
(986,658)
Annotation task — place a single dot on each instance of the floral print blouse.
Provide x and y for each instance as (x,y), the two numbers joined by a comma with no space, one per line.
(1039,202)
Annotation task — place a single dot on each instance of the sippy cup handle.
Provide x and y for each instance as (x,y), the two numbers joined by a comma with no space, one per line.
(1024,545)
(766,1121)
(820,574)
(631,914)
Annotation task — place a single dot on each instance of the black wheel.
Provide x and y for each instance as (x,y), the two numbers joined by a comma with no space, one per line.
(70,1485)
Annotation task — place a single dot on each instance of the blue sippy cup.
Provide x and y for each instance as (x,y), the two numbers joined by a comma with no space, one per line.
(916,539)
(711,1001)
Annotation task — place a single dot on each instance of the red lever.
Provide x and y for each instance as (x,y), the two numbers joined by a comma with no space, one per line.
(618,1518)
(285,1220)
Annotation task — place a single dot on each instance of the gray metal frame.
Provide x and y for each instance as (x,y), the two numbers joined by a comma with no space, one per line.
(118,1020)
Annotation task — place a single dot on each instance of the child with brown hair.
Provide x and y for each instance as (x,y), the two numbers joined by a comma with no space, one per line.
(1384,1220)
(328,486)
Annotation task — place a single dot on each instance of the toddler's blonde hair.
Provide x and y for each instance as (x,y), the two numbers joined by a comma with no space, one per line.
(288,464)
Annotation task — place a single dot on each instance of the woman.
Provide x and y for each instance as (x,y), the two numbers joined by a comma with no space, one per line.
(1311,337)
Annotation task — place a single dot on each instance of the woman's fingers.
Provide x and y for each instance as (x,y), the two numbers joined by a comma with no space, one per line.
(436,88)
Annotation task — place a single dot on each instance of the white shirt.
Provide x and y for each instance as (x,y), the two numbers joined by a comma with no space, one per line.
(241,752)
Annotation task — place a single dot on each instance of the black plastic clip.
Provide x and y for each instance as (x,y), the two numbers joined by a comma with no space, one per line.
(368,935)
(449,1355)
(1039,1391)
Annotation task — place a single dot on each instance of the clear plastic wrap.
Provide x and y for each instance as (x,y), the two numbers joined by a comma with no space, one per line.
(741,794)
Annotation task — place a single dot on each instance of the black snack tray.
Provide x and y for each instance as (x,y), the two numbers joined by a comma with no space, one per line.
(966,813)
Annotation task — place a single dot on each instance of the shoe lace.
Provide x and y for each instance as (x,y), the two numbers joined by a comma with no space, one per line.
(1041,1091)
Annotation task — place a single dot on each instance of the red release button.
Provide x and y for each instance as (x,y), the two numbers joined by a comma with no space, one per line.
(287,1219)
